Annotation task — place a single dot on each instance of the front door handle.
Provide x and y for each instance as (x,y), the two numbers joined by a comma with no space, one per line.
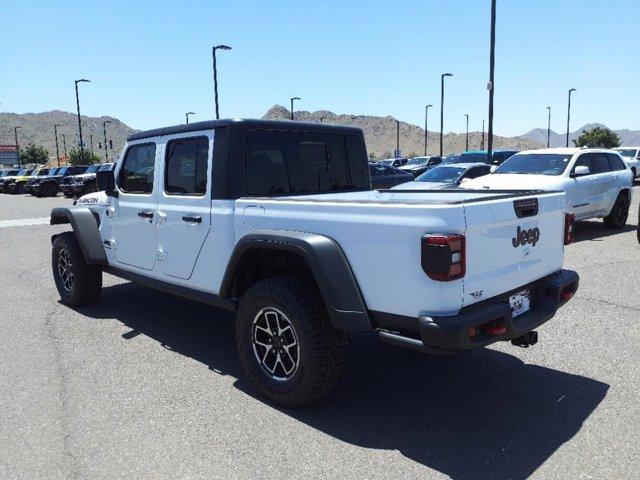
(145,214)
(192,219)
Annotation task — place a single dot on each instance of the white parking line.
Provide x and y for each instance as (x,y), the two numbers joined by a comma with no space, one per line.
(24,222)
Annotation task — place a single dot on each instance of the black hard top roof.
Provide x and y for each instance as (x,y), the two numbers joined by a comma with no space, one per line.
(247,124)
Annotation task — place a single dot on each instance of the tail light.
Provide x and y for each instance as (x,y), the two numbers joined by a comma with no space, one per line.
(443,257)
(569,221)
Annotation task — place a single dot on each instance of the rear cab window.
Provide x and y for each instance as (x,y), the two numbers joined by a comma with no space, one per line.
(137,171)
(298,163)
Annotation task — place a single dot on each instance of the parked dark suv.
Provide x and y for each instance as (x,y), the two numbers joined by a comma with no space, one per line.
(49,186)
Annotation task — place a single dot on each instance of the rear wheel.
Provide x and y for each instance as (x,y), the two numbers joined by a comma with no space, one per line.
(49,190)
(619,213)
(78,283)
(286,343)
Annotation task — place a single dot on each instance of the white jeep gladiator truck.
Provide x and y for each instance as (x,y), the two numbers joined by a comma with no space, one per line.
(277,221)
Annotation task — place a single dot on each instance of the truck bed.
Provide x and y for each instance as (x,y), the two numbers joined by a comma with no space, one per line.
(380,233)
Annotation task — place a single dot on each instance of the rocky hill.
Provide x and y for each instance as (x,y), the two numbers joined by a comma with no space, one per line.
(380,133)
(539,135)
(37,129)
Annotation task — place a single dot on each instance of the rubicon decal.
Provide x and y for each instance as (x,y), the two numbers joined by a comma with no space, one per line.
(524,237)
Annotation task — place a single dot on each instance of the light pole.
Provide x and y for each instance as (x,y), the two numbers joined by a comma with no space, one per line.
(294,98)
(442,106)
(64,146)
(15,133)
(426,125)
(82,80)
(466,142)
(187,115)
(490,85)
(548,126)
(569,114)
(91,143)
(215,73)
(482,140)
(397,139)
(104,131)
(55,132)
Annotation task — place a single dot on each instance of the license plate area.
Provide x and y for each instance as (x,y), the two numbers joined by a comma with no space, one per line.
(520,303)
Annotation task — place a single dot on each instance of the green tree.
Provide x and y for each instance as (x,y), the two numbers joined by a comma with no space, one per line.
(36,154)
(599,137)
(76,158)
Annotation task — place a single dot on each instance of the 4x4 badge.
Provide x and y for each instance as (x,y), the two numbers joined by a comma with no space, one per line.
(524,237)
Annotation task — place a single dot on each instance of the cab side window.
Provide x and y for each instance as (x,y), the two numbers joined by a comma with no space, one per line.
(584,161)
(136,174)
(185,171)
(477,172)
(615,162)
(599,162)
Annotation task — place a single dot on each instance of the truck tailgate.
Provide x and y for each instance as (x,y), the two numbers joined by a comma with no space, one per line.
(509,244)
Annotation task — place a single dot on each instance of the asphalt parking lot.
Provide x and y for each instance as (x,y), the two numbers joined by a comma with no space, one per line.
(146,385)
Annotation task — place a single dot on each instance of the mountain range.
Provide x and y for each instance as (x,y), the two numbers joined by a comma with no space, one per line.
(37,129)
(379,133)
(539,136)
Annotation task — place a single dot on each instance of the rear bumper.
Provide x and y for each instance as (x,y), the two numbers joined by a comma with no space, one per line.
(452,334)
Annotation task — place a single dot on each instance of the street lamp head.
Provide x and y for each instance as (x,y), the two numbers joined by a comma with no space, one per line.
(572,90)
(222,47)
(296,98)
(447,75)
(190,113)
(429,106)
(83,80)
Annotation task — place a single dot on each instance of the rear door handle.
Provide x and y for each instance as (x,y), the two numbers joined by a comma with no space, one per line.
(145,214)
(192,219)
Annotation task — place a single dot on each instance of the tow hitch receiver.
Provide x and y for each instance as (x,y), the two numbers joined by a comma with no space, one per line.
(526,340)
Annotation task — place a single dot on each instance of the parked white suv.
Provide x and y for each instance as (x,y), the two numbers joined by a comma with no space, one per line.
(597,182)
(278,221)
(631,156)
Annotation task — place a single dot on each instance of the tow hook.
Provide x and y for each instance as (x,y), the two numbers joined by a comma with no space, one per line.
(526,340)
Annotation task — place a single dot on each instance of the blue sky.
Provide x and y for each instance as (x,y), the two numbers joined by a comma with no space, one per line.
(150,62)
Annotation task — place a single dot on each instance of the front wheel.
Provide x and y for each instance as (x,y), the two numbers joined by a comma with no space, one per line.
(619,213)
(78,283)
(286,343)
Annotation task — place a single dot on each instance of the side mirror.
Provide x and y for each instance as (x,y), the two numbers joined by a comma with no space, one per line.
(106,181)
(493,168)
(580,171)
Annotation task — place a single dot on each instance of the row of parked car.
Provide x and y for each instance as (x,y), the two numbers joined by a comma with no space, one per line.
(468,165)
(597,182)
(72,181)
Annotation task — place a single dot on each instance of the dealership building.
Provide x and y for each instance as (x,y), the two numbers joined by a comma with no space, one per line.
(8,155)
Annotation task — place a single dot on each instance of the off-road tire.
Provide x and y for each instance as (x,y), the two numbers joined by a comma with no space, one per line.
(321,347)
(87,279)
(617,218)
(49,190)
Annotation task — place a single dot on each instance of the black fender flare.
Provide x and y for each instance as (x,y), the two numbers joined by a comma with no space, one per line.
(329,267)
(85,228)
